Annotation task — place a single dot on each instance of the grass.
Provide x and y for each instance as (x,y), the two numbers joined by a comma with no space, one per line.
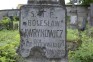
(7,37)
(9,41)
(72,35)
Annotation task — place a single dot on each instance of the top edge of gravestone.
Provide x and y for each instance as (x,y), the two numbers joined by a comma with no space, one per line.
(43,1)
(61,2)
(42,5)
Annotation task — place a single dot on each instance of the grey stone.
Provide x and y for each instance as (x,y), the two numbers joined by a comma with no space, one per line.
(43,33)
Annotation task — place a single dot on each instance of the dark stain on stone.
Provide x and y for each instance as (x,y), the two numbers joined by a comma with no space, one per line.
(37,52)
(24,23)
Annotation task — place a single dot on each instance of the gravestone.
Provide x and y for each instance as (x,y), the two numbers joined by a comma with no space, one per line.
(91,15)
(73,19)
(43,32)
(73,22)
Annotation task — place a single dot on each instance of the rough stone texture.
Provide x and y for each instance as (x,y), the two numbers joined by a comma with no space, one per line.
(91,15)
(37,47)
(42,60)
(42,1)
(49,27)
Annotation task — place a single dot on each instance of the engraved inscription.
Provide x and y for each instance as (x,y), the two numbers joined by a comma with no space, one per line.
(43,28)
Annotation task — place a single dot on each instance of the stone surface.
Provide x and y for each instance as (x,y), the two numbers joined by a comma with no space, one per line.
(41,60)
(43,29)
(91,15)
(43,33)
(42,1)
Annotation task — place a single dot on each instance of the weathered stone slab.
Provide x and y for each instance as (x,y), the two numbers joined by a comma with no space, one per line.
(91,15)
(91,8)
(43,33)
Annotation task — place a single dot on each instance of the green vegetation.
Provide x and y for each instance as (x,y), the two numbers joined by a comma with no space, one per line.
(5,22)
(83,2)
(9,40)
(9,23)
(72,35)
(86,2)
(84,52)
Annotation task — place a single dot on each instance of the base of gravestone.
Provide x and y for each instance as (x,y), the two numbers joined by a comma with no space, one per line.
(37,56)
(41,60)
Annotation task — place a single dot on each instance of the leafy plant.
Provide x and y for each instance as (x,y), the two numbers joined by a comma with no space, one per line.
(72,35)
(9,41)
(5,22)
(86,2)
(85,52)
